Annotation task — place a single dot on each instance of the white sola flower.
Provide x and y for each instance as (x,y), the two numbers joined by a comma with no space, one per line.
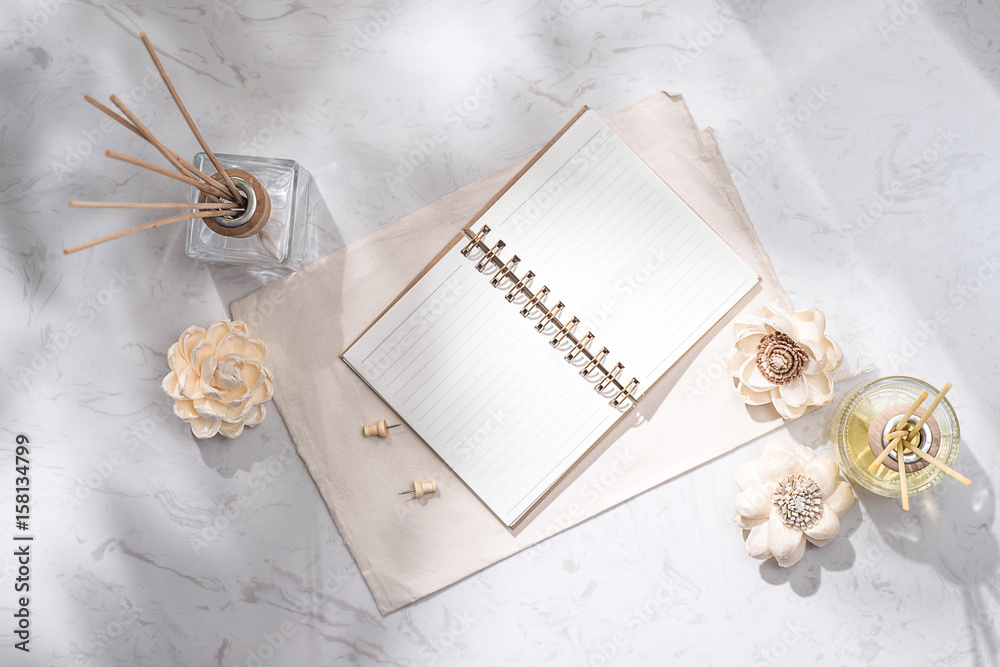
(787,497)
(785,359)
(217,379)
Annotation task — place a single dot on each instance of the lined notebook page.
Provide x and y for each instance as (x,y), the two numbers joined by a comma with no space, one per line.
(476,380)
(481,386)
(625,254)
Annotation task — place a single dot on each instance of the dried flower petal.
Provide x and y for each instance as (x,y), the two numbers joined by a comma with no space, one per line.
(787,544)
(841,499)
(757,542)
(824,529)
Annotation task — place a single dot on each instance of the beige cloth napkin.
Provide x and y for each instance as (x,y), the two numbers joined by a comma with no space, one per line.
(409,548)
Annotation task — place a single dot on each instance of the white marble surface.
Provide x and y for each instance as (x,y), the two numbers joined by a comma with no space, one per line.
(864,140)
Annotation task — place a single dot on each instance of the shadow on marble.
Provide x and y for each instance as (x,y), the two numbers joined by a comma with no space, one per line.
(319,238)
(972,32)
(949,529)
(805,577)
(226,456)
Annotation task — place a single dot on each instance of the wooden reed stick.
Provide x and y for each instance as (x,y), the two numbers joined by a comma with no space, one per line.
(199,174)
(885,452)
(224,206)
(214,192)
(187,117)
(902,474)
(159,170)
(944,467)
(920,424)
(172,157)
(127,125)
(906,417)
(133,123)
(140,228)
(188,168)
(185,167)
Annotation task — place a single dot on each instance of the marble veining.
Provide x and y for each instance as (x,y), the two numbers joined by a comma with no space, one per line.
(862,137)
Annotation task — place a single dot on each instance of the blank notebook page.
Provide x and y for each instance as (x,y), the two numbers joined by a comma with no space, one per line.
(476,380)
(481,386)
(625,254)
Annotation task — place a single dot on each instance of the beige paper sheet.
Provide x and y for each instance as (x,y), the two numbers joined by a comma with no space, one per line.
(407,549)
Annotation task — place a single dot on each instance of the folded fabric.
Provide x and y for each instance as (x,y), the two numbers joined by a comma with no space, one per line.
(409,548)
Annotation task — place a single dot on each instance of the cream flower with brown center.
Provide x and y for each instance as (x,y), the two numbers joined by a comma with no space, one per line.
(789,496)
(785,359)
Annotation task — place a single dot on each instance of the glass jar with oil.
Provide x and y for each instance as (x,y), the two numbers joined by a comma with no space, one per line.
(869,412)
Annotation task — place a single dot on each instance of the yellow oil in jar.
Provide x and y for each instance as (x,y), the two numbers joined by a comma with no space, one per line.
(853,418)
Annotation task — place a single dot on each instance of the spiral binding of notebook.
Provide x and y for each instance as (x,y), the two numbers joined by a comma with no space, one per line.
(551,317)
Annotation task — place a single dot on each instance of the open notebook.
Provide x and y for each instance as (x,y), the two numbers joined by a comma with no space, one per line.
(526,340)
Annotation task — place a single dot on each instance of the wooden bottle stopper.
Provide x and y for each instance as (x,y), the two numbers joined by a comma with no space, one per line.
(379,428)
(420,488)
(257,202)
(928,437)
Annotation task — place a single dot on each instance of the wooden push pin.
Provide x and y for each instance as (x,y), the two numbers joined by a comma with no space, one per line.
(420,488)
(380,428)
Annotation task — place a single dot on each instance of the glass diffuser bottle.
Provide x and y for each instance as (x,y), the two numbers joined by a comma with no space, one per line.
(869,413)
(268,232)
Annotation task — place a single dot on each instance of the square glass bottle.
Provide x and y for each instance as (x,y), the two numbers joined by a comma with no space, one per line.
(278,242)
